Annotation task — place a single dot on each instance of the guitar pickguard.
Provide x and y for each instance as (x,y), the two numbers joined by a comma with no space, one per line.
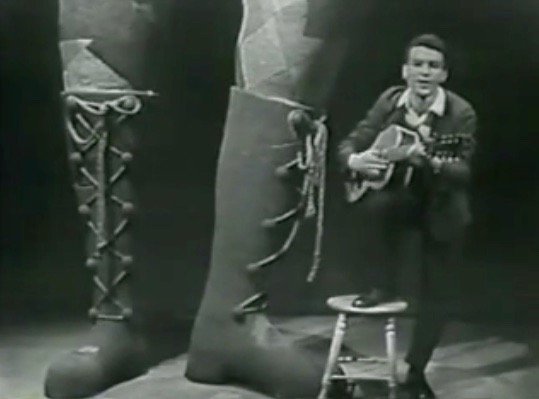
(393,143)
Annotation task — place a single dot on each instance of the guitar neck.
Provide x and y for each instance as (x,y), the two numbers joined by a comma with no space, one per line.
(447,147)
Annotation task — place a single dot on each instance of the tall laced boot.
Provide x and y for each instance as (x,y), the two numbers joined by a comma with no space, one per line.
(103,47)
(233,339)
(270,182)
(100,135)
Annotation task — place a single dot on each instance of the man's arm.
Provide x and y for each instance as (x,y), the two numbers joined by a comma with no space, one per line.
(459,171)
(365,132)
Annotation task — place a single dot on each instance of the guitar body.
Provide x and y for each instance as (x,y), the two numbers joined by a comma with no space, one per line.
(393,143)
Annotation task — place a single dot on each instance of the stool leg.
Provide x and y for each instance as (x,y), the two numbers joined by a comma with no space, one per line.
(391,348)
(334,351)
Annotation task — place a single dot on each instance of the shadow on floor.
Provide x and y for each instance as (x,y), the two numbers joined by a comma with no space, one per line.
(474,361)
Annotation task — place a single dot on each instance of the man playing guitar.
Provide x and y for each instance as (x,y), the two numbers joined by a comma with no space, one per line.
(433,199)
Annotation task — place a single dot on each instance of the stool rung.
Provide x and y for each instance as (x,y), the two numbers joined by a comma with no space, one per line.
(360,377)
(364,369)
(355,359)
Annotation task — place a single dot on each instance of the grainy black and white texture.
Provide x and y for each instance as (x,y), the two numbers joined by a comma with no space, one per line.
(494,65)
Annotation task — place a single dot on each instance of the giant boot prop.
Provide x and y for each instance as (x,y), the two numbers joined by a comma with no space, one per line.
(102,108)
(101,151)
(270,184)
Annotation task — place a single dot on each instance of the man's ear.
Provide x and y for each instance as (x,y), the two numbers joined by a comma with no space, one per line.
(404,71)
(445,76)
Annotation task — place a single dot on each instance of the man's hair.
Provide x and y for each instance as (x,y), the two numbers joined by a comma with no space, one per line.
(428,40)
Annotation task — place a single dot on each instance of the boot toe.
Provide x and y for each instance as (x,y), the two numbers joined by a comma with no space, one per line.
(92,369)
(76,375)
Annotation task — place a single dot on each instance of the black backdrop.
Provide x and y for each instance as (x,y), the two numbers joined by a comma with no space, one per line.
(496,60)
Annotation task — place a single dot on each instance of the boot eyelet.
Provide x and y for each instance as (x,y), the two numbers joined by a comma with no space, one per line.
(128,208)
(93,313)
(91,262)
(127,260)
(84,209)
(127,157)
(75,157)
(127,313)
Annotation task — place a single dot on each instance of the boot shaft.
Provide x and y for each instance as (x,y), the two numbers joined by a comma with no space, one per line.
(103,45)
(168,148)
(101,141)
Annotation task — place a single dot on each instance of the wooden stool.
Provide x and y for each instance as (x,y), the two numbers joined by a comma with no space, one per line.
(384,369)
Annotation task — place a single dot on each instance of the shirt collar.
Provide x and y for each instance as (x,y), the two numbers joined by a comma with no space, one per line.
(437,106)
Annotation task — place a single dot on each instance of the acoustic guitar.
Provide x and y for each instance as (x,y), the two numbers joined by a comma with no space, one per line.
(395,144)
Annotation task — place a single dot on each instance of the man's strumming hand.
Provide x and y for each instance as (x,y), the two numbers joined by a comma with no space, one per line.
(368,163)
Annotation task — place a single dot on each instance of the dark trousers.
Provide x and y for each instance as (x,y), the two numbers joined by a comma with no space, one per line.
(387,221)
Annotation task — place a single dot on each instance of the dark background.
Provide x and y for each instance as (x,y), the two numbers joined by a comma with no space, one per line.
(495,66)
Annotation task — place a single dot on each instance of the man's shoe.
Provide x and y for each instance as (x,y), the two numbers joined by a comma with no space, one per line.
(372,298)
(417,387)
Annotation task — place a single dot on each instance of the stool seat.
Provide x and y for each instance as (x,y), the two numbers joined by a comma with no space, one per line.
(343,304)
(365,368)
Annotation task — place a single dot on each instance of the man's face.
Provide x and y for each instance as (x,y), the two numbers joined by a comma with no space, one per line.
(424,70)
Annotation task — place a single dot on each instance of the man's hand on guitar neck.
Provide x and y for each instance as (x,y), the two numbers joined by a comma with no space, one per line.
(417,154)
(370,163)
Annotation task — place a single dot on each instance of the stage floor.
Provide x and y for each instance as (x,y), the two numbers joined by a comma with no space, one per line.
(475,361)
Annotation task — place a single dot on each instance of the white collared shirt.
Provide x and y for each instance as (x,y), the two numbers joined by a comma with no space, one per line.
(437,107)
